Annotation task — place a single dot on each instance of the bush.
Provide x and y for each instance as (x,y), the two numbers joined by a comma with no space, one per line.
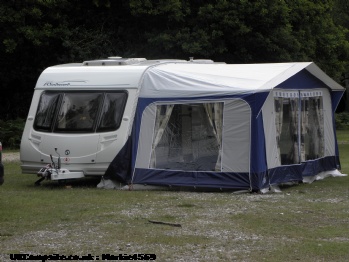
(342,120)
(11,133)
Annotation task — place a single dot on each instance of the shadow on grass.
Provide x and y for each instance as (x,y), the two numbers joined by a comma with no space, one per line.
(87,182)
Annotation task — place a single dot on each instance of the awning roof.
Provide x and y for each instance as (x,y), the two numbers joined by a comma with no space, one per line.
(188,79)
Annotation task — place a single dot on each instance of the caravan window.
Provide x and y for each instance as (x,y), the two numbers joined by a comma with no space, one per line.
(46,110)
(299,125)
(80,112)
(188,137)
(112,111)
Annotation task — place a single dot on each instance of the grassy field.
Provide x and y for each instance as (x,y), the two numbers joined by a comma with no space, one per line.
(306,222)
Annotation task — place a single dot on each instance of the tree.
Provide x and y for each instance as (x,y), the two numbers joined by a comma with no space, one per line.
(31,32)
(340,14)
(39,33)
(245,31)
(321,40)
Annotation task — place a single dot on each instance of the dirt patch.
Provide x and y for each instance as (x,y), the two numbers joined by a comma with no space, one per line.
(10,157)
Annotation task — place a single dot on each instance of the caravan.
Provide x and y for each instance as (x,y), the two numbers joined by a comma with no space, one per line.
(192,123)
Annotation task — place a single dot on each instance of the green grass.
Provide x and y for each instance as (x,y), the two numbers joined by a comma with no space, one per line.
(307,222)
(343,145)
(343,136)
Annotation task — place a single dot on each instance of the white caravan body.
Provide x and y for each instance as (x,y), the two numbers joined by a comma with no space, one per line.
(105,90)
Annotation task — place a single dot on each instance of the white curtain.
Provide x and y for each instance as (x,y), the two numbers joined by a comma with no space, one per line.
(302,114)
(320,126)
(304,126)
(65,109)
(279,118)
(163,114)
(215,115)
(316,131)
(294,154)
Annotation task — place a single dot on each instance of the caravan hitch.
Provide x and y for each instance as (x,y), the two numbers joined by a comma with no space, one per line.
(44,173)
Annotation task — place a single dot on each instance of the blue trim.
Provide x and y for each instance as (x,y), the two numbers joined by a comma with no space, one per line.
(119,169)
(313,167)
(258,159)
(335,98)
(191,178)
(302,80)
(284,174)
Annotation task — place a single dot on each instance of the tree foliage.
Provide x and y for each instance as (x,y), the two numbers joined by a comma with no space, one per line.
(39,33)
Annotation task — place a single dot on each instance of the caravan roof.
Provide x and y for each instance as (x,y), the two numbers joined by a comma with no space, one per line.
(177,77)
(106,73)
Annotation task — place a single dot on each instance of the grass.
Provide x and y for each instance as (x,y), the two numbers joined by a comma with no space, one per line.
(307,222)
